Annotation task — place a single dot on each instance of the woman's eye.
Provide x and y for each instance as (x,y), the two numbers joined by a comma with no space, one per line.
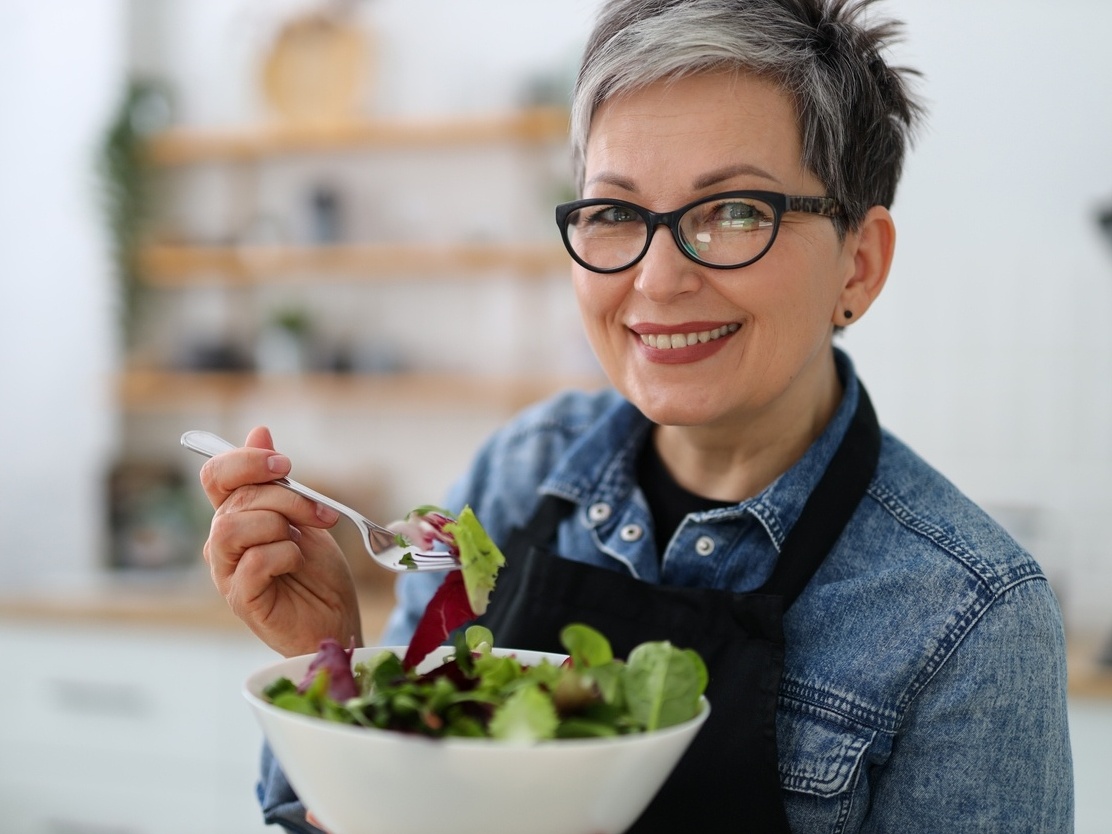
(611,215)
(738,214)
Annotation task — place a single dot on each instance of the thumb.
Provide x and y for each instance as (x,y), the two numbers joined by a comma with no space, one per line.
(259,438)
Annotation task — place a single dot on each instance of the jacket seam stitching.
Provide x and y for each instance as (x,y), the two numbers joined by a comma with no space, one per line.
(953,640)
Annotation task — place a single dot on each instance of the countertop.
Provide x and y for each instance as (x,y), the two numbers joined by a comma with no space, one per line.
(183,603)
(194,603)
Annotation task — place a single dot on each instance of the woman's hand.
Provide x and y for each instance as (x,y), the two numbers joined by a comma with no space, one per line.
(271,555)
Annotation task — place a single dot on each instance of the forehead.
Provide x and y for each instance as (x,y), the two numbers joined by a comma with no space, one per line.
(674,132)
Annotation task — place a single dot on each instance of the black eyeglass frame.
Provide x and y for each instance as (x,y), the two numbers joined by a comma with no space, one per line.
(780,203)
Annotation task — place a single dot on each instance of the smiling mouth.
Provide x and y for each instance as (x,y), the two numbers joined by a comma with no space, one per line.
(668,341)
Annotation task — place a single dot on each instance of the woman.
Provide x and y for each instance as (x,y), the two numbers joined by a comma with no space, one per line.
(884,657)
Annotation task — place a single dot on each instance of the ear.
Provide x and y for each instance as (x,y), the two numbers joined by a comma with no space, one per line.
(868,255)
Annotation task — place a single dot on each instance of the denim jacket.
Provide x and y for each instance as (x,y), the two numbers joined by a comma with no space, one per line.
(924,686)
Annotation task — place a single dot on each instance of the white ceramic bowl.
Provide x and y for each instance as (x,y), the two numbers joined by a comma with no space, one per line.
(361,781)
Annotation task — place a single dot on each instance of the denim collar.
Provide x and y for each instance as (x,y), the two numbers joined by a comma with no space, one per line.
(601,465)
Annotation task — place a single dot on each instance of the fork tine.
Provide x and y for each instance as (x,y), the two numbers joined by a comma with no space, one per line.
(419,561)
(428,559)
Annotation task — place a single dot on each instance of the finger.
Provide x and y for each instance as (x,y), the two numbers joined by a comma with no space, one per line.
(235,532)
(260,438)
(232,535)
(223,474)
(258,568)
(295,508)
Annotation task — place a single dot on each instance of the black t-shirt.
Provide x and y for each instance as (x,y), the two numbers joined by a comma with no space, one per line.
(669,503)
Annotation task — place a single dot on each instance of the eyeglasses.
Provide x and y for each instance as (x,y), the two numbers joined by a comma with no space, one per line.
(723,231)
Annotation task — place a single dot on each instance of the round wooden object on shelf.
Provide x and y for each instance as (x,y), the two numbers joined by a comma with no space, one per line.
(317,69)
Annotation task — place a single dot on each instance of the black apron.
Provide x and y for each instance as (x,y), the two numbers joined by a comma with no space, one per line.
(729,779)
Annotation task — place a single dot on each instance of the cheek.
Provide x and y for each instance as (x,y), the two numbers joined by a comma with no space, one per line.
(799,292)
(600,297)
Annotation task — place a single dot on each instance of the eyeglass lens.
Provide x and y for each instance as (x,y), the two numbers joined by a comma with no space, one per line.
(721,232)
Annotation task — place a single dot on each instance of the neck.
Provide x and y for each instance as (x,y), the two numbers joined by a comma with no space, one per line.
(736,460)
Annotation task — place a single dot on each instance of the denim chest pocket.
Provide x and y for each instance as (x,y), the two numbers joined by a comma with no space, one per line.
(820,756)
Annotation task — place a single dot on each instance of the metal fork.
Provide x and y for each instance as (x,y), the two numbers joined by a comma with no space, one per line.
(382,543)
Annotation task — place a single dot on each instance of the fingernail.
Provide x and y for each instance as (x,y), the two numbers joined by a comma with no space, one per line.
(295,534)
(278,464)
(326,514)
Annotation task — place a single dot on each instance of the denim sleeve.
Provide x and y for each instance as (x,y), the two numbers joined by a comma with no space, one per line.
(986,744)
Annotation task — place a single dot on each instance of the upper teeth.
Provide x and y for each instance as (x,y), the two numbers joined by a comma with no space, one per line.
(667,341)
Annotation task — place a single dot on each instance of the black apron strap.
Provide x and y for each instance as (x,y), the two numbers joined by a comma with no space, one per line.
(830,506)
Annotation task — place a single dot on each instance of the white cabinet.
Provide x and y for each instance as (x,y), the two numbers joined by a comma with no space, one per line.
(127,730)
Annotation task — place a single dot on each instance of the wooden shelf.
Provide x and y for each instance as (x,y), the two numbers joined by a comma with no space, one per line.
(156,391)
(1088,677)
(170,266)
(182,146)
(147,602)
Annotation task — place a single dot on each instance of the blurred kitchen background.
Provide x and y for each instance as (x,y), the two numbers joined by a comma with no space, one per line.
(334,218)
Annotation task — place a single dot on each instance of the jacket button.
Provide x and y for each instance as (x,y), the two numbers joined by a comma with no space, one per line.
(631,532)
(598,513)
(704,545)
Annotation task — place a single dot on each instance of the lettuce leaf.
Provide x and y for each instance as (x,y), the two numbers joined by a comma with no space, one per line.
(479,558)
(663,683)
(527,715)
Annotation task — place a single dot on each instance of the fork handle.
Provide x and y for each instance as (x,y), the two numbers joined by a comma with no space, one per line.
(206,443)
(209,444)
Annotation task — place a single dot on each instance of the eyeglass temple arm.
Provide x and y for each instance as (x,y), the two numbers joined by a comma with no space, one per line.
(826,206)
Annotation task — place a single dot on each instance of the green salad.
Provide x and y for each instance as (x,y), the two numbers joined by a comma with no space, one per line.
(476,693)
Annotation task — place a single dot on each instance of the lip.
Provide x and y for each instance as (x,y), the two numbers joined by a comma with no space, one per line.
(679,356)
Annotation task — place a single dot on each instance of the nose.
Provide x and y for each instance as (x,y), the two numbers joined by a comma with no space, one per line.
(665,272)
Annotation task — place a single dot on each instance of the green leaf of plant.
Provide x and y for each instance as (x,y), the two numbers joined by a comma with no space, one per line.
(586,645)
(479,558)
(296,702)
(278,687)
(479,639)
(496,672)
(527,715)
(608,679)
(663,684)
(585,728)
(380,671)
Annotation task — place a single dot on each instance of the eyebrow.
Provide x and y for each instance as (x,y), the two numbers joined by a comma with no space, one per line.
(704,181)
(611,179)
(723,174)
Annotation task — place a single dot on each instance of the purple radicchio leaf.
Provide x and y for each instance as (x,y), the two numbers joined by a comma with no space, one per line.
(336,661)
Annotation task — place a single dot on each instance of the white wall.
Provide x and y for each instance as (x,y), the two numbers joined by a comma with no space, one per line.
(989,350)
(60,72)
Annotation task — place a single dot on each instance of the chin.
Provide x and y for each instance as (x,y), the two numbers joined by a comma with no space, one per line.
(676,417)
(671,409)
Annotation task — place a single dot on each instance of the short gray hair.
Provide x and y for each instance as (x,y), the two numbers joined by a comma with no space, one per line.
(856,112)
